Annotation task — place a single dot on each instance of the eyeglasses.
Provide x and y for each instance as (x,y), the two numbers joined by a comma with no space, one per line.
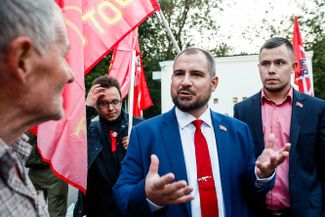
(114,103)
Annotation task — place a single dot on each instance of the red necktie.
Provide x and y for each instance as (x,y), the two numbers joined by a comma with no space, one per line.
(113,140)
(207,190)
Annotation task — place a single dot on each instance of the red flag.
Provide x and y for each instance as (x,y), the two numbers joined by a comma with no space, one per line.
(142,99)
(302,75)
(121,69)
(94,27)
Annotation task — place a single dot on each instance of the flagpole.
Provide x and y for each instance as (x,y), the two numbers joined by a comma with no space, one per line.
(131,93)
(169,32)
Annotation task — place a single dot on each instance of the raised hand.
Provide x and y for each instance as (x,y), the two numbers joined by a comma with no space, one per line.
(94,93)
(270,158)
(163,190)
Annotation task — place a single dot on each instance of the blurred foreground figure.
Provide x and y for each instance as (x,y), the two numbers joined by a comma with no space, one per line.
(33,72)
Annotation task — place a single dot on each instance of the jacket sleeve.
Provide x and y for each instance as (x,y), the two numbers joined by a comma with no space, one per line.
(129,191)
(90,113)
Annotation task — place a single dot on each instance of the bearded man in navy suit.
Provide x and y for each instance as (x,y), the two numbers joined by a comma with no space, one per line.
(159,174)
(293,117)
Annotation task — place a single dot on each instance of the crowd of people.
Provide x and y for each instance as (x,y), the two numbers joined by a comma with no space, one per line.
(266,161)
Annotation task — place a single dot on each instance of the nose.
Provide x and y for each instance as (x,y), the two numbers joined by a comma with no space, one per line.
(186,81)
(71,76)
(110,107)
(69,73)
(271,69)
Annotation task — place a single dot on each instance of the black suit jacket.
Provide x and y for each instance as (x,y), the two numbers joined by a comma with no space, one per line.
(307,153)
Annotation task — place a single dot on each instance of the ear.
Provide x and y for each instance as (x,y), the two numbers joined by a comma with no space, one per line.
(214,82)
(20,56)
(294,65)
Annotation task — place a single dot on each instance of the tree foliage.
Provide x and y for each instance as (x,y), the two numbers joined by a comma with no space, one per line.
(186,18)
(314,22)
(312,26)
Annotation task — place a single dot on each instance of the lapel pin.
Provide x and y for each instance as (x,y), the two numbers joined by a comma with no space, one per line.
(299,104)
(221,127)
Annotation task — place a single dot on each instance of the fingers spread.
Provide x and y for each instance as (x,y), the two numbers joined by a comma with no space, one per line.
(161,182)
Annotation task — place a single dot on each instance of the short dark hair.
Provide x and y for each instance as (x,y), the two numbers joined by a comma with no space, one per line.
(107,82)
(193,50)
(277,42)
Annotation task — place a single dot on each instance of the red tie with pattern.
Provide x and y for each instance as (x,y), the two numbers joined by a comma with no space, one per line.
(207,190)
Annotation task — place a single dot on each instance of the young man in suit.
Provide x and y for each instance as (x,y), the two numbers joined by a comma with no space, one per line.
(293,117)
(174,167)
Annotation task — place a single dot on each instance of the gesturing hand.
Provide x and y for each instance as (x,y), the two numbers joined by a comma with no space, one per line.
(270,158)
(162,190)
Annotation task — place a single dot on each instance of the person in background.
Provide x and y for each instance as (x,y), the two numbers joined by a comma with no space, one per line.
(294,117)
(55,190)
(107,138)
(191,161)
(33,72)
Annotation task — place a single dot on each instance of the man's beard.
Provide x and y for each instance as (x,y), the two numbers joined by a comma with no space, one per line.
(187,106)
(276,89)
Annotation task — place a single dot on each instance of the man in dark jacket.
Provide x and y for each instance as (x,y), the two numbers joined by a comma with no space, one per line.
(294,117)
(107,143)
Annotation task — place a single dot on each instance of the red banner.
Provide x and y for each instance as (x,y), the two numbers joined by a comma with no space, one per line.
(94,27)
(121,69)
(302,75)
(142,99)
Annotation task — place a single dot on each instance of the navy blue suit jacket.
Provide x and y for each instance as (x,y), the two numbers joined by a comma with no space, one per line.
(160,135)
(307,153)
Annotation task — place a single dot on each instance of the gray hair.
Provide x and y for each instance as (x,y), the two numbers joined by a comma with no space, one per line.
(193,50)
(34,19)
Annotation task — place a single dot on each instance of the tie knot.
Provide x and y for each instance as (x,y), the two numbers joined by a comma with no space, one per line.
(197,123)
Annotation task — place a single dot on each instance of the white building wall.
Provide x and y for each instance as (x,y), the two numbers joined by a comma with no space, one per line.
(238,78)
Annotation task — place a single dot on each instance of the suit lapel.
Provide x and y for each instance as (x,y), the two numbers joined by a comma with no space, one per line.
(222,139)
(172,141)
(224,150)
(257,123)
(297,109)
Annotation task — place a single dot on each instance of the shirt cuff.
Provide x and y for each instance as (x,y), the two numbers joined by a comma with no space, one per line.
(154,207)
(261,181)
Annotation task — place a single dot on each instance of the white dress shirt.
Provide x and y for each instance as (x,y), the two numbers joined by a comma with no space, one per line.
(187,129)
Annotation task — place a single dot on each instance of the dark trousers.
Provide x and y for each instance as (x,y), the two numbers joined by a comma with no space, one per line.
(55,190)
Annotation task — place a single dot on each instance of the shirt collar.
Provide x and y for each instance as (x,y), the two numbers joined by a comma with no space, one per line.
(289,96)
(185,118)
(7,161)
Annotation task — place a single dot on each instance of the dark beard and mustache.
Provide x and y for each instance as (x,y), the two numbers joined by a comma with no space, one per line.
(186,105)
